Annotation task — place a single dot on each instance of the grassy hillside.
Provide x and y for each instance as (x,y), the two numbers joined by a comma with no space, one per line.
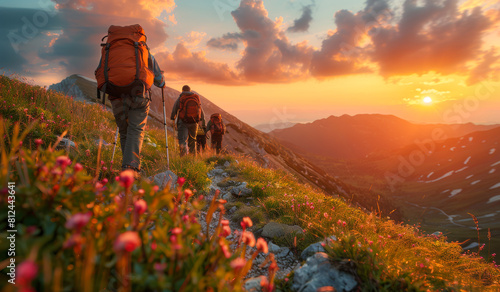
(72,219)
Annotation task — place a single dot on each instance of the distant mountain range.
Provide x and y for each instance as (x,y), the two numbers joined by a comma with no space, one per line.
(436,174)
(351,137)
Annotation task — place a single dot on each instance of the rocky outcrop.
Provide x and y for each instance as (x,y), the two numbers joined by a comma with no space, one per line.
(318,273)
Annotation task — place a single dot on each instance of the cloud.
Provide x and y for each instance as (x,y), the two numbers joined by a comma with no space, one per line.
(433,37)
(486,68)
(342,52)
(183,64)
(268,55)
(302,24)
(228,42)
(85,22)
(193,38)
(20,29)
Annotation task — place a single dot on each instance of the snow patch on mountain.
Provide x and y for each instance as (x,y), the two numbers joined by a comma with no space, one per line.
(455,192)
(493,199)
(440,178)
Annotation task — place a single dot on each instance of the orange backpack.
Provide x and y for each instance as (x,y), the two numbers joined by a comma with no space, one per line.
(216,127)
(124,69)
(190,108)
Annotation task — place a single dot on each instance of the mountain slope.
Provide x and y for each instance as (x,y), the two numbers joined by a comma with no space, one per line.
(241,139)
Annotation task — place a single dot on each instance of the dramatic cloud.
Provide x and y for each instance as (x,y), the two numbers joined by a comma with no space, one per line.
(342,52)
(183,64)
(82,24)
(228,42)
(433,37)
(302,24)
(268,55)
(20,29)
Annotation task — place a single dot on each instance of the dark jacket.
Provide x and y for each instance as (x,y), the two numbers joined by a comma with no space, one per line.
(210,124)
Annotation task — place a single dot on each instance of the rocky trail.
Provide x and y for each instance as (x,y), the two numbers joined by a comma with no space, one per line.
(314,273)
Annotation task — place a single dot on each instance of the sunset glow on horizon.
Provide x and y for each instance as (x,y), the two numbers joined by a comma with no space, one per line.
(296,61)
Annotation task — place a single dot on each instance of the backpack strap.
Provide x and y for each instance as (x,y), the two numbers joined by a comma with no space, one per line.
(106,76)
(137,68)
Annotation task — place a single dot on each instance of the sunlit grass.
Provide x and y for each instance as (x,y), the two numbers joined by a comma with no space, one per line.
(384,254)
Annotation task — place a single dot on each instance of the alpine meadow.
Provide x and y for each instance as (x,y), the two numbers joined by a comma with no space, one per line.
(249,145)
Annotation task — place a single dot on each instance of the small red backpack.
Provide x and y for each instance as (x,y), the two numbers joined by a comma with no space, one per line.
(217,126)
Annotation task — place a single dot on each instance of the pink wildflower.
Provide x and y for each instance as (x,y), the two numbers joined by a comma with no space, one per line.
(262,245)
(78,167)
(26,272)
(140,207)
(126,178)
(63,161)
(181,181)
(127,242)
(246,222)
(248,238)
(78,221)
(238,263)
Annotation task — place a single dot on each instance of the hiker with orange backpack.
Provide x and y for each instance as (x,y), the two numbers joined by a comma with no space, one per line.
(126,72)
(217,130)
(188,111)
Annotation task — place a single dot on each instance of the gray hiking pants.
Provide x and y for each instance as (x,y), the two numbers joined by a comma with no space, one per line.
(186,133)
(131,116)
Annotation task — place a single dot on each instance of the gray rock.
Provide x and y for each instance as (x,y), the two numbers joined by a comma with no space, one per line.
(273,248)
(227,196)
(273,230)
(152,144)
(65,142)
(227,164)
(315,247)
(216,172)
(317,272)
(284,252)
(253,285)
(233,209)
(163,178)
(241,190)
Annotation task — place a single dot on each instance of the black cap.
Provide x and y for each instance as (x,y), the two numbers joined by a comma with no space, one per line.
(186,88)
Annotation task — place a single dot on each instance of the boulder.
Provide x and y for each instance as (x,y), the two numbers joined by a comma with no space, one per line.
(164,178)
(227,164)
(273,248)
(241,191)
(315,247)
(216,172)
(274,229)
(227,196)
(318,272)
(253,285)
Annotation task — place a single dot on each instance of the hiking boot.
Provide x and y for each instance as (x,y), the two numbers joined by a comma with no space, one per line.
(137,172)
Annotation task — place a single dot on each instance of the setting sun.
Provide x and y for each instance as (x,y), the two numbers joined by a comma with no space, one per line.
(427,100)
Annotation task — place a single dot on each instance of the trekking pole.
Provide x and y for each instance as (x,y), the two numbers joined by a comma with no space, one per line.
(114,147)
(165,125)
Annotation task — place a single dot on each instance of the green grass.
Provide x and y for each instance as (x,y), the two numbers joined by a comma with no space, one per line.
(383,254)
